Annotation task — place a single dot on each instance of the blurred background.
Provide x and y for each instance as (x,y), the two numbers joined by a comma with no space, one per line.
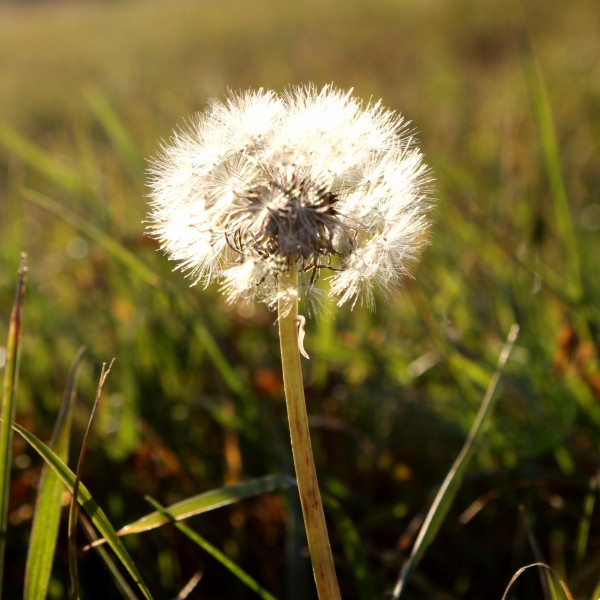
(194,400)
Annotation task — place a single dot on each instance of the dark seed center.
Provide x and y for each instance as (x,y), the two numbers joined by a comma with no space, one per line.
(293,220)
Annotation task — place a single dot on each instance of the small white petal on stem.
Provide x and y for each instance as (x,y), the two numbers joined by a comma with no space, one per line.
(301,322)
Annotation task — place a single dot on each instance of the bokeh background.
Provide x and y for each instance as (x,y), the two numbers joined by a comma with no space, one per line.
(194,400)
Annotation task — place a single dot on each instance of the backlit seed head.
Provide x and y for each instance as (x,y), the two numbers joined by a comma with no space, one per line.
(312,178)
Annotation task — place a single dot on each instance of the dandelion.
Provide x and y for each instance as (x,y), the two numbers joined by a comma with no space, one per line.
(311,179)
(264,193)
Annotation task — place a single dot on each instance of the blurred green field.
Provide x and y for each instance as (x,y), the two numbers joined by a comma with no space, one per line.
(194,400)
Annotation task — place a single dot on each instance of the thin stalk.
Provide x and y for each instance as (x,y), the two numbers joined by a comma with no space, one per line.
(306,476)
(8,404)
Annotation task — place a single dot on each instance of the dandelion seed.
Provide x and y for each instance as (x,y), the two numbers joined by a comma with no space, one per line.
(311,178)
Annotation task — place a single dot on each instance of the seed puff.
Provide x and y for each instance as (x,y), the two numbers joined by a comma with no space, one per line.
(310,177)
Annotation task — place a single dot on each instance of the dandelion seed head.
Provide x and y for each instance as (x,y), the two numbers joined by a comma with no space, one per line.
(312,178)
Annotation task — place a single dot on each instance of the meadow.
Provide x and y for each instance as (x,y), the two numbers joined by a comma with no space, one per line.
(505,98)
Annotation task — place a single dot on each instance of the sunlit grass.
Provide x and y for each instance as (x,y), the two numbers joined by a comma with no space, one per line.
(194,400)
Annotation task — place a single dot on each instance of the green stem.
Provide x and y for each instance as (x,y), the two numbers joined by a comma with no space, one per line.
(308,488)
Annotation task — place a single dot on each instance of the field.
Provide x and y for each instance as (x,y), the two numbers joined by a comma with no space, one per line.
(505,98)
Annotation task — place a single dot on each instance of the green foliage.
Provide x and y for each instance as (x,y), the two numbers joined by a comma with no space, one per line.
(506,107)
(47,515)
(210,500)
(213,551)
(84,498)
(451,484)
(9,403)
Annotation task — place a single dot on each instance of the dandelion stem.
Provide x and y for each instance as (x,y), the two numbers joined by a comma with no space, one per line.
(310,498)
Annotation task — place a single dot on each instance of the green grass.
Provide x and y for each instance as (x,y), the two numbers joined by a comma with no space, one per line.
(506,104)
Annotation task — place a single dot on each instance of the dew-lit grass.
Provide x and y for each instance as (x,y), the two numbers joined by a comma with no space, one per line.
(194,401)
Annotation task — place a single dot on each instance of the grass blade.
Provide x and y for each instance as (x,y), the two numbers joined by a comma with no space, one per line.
(128,258)
(39,160)
(116,132)
(139,269)
(118,578)
(46,520)
(87,502)
(205,502)
(9,389)
(73,510)
(552,162)
(558,588)
(447,492)
(190,586)
(583,530)
(596,593)
(215,553)
(353,549)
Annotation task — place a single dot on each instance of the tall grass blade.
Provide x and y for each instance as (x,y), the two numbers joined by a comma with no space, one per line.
(139,269)
(585,521)
(205,502)
(129,259)
(545,580)
(116,132)
(447,492)
(215,553)
(73,509)
(39,160)
(353,550)
(118,579)
(46,519)
(9,404)
(87,502)
(552,162)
